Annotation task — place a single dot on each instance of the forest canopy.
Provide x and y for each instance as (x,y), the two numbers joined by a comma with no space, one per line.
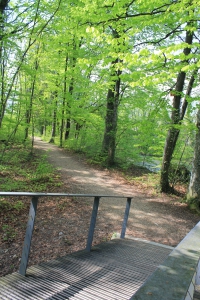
(117,80)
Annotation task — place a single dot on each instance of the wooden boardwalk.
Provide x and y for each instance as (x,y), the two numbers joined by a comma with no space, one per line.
(112,270)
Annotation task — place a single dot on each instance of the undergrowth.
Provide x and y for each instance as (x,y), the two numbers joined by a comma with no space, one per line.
(22,170)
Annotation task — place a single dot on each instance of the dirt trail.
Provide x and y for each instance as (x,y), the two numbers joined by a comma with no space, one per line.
(61,225)
(157,218)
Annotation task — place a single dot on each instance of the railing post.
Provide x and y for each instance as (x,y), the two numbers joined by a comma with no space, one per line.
(126,213)
(92,223)
(28,236)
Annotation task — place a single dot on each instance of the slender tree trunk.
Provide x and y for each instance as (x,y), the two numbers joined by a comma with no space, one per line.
(54,123)
(63,103)
(30,105)
(68,112)
(62,124)
(55,109)
(3,100)
(109,140)
(44,126)
(78,128)
(68,121)
(3,5)
(71,89)
(194,186)
(176,116)
(18,116)
(67,128)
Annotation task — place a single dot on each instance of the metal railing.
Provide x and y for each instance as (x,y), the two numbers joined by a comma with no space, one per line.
(32,215)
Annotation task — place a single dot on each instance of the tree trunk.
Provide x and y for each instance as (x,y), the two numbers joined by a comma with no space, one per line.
(53,132)
(68,112)
(109,140)
(30,105)
(68,121)
(176,117)
(194,186)
(3,5)
(71,89)
(67,129)
(63,103)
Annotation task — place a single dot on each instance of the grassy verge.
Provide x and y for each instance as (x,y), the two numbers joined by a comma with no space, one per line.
(22,170)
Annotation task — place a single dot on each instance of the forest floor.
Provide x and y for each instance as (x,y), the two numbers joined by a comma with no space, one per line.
(61,225)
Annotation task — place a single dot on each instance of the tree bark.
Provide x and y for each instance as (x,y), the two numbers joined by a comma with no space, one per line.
(30,105)
(68,112)
(194,186)
(63,103)
(71,89)
(109,140)
(53,132)
(3,5)
(177,116)
(54,123)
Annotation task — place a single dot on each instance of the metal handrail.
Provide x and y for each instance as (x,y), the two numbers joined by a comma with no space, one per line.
(32,215)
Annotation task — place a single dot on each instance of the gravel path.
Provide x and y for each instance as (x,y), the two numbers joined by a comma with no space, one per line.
(157,218)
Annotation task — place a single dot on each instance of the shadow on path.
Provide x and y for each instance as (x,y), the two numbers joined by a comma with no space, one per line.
(154,218)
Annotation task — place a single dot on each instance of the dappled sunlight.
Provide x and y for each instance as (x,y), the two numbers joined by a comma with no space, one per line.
(85,173)
(155,218)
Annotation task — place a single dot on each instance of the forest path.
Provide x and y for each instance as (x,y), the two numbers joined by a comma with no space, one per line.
(158,218)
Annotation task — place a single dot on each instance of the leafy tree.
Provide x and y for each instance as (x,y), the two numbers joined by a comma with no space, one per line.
(97,76)
(178,109)
(21,30)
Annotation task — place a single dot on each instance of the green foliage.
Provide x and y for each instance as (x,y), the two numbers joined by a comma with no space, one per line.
(7,206)
(142,177)
(43,170)
(8,233)
(179,174)
(22,170)
(61,68)
(193,204)
(18,205)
